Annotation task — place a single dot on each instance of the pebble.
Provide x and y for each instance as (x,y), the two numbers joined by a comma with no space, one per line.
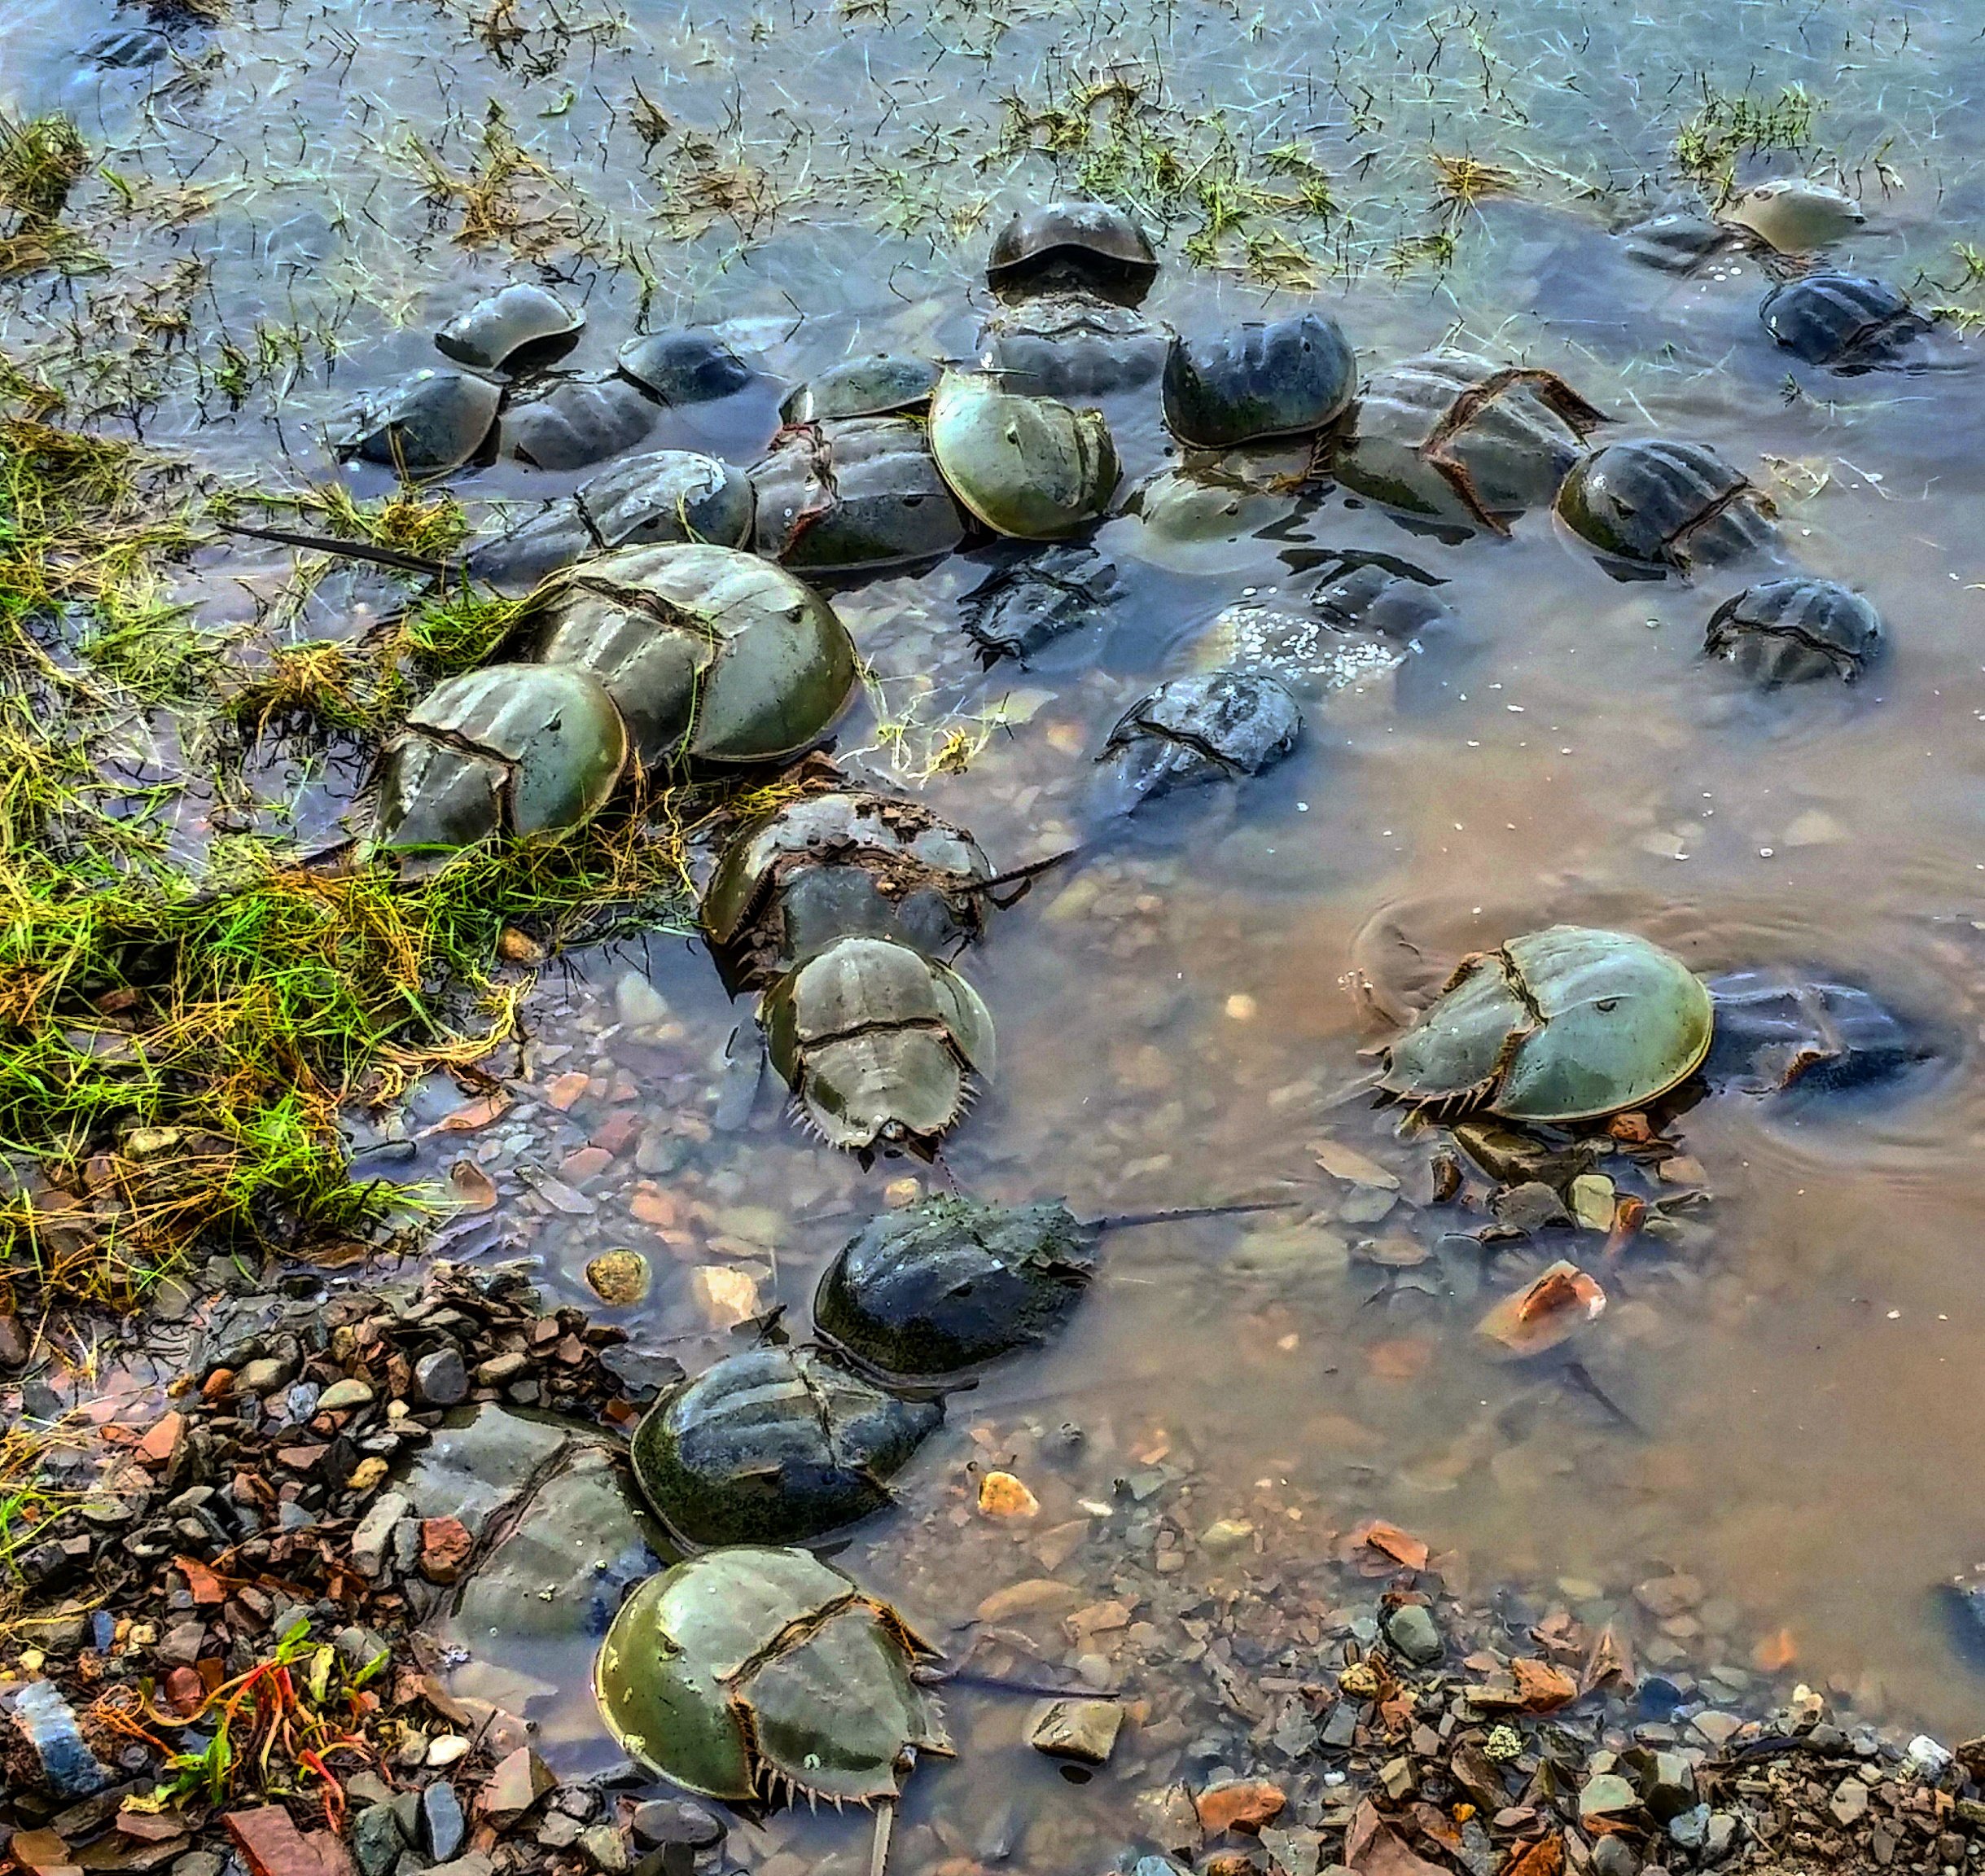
(726,1296)
(341,1395)
(441,1380)
(619,1277)
(1411,1628)
(442,1825)
(1002,1496)
(1085,1730)
(1238,1803)
(518,1783)
(604,1848)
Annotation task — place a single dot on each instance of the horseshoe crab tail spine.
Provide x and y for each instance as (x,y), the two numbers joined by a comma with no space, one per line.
(878,1839)
(1176,1214)
(349,550)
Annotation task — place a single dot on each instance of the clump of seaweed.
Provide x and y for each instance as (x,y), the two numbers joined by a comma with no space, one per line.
(42,160)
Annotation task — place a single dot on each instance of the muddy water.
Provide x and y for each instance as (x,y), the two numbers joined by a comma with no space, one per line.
(1796,1383)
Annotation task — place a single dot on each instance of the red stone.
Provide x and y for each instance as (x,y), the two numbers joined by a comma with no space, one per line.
(271,1845)
(1239,1805)
(618,1132)
(184,1691)
(159,1444)
(586,1163)
(445,1548)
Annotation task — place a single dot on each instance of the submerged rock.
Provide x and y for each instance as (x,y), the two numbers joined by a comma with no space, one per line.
(1215,725)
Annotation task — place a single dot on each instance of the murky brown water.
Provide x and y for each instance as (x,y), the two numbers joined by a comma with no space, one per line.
(1174,1026)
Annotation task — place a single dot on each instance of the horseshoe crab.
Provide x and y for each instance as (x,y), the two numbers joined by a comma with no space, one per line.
(1185,517)
(668,496)
(1570,1024)
(1846,321)
(1072,344)
(845,497)
(577,423)
(1287,378)
(1777,1030)
(1027,466)
(948,1283)
(1654,504)
(879,1045)
(1210,726)
(837,865)
(684,367)
(1087,245)
(523,749)
(426,425)
(1796,216)
(1460,439)
(884,385)
(775,1446)
(1792,631)
(712,656)
(748,1671)
(1391,598)
(521,325)
(1024,606)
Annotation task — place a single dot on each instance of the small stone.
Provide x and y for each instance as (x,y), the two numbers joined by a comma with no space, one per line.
(638,1003)
(515,947)
(619,1277)
(726,1296)
(1665,1596)
(1690,1829)
(441,1380)
(1608,1796)
(676,1821)
(1239,1805)
(1002,1496)
(448,1749)
(1411,1628)
(1849,1803)
(265,1376)
(1038,1596)
(367,1473)
(445,1548)
(1716,1728)
(1296,1852)
(1666,1781)
(605,1849)
(180,1644)
(1081,1729)
(1171,1819)
(562,1091)
(499,1370)
(1399,1778)
(442,1825)
(376,1839)
(271,1845)
(516,1784)
(341,1395)
(375,1532)
(1593,1201)
(1613,1855)
(1722,1834)
(1530,1206)
(199,1863)
(1226,1536)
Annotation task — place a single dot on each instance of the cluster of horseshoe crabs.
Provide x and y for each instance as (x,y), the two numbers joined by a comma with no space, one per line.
(669,625)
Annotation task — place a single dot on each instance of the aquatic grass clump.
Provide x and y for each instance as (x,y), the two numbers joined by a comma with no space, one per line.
(1707,145)
(42,160)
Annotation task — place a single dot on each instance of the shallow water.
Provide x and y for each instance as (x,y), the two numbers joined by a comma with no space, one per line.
(1175,1021)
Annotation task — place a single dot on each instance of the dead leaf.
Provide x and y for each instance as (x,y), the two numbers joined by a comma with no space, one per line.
(1775,1653)
(1394,1542)
(1540,1316)
(472,1116)
(473,1189)
(1611,1660)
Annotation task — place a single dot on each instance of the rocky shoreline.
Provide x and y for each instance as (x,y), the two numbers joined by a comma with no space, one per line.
(231,1649)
